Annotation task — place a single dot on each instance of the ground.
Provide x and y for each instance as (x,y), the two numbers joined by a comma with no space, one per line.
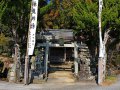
(59,86)
(60,78)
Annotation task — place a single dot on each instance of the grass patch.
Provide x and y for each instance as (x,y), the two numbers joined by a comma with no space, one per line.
(109,80)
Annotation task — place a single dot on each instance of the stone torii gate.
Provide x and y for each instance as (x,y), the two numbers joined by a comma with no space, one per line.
(48,36)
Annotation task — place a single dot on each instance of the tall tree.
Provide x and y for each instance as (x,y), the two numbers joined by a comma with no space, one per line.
(17,13)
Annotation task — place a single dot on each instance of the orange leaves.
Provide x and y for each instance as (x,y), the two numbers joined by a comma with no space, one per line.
(89,1)
(50,18)
(51,13)
(54,13)
(57,2)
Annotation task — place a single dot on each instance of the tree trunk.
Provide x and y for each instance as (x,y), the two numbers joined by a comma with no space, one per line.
(106,37)
(16,51)
(102,60)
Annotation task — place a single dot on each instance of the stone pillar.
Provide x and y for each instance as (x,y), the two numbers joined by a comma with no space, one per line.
(101,71)
(76,58)
(65,54)
(46,58)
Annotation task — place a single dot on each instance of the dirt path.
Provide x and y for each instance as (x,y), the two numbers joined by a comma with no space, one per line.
(59,86)
(61,73)
(61,77)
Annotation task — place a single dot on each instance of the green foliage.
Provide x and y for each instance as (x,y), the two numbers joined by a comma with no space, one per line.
(43,10)
(80,15)
(2,7)
(3,40)
(118,59)
(14,21)
(85,16)
(36,52)
(110,15)
(111,78)
(111,20)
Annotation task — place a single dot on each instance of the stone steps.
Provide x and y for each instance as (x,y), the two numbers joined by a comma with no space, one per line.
(85,59)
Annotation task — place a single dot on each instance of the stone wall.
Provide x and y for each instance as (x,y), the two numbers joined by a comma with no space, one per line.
(85,72)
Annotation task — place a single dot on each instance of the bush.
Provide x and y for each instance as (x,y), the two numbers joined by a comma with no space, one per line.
(1,66)
(118,60)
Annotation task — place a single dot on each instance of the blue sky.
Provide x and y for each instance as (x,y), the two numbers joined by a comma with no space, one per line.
(48,1)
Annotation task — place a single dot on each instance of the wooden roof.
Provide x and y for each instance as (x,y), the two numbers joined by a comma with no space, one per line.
(66,34)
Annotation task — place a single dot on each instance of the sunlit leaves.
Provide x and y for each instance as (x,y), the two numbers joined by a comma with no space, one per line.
(3,40)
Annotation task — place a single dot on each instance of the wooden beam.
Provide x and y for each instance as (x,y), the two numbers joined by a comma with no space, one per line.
(55,45)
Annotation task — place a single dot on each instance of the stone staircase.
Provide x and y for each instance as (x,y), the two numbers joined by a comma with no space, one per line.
(85,60)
